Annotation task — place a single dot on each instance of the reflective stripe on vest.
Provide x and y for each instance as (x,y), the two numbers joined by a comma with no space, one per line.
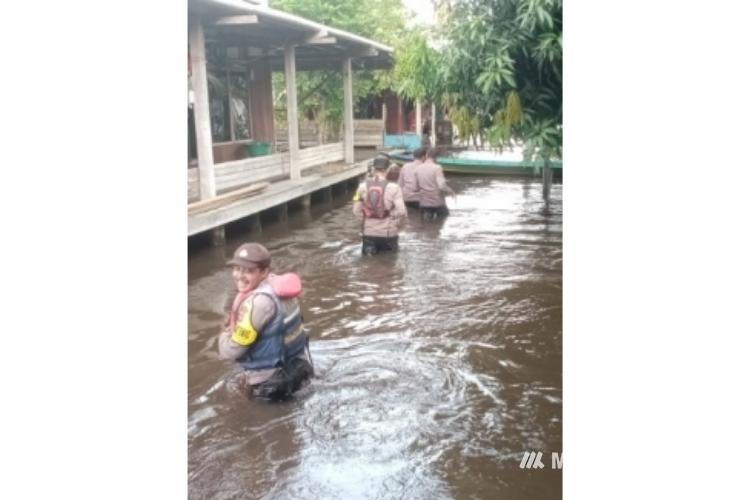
(239,299)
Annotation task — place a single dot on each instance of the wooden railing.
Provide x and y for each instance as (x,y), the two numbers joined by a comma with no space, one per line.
(233,174)
(309,135)
(327,153)
(368,132)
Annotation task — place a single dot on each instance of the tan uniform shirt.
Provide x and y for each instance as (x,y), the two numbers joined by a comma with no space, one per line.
(432,186)
(407,181)
(394,202)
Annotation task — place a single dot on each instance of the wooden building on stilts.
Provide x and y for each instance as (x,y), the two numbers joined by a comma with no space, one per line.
(239,162)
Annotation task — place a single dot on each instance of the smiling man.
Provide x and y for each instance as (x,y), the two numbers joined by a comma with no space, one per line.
(264,332)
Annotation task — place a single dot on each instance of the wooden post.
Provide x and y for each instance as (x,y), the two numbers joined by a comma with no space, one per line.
(290,76)
(400,117)
(282,212)
(229,106)
(348,112)
(201,113)
(323,129)
(319,126)
(249,79)
(218,236)
(305,212)
(261,101)
(255,226)
(327,194)
(433,132)
(418,121)
(385,122)
(546,179)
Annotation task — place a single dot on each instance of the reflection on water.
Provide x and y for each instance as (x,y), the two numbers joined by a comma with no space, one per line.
(436,368)
(507,154)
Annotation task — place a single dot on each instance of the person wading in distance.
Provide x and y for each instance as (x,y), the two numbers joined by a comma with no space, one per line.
(407,180)
(432,188)
(379,204)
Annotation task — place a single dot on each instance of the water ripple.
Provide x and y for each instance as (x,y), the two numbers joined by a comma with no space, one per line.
(436,368)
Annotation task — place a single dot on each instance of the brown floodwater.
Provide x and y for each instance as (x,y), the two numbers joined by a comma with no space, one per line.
(436,368)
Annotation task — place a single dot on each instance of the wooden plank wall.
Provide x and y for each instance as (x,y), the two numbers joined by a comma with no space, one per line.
(368,133)
(394,116)
(308,136)
(261,101)
(230,151)
(319,155)
(233,174)
(237,173)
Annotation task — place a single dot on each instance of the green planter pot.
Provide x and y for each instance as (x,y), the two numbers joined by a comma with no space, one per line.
(260,148)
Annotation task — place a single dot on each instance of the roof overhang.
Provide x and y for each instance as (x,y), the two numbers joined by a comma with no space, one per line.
(250,31)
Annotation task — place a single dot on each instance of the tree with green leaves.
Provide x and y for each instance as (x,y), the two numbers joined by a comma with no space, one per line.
(415,75)
(321,96)
(501,66)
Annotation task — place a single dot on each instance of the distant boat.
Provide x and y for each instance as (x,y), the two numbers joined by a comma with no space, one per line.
(485,163)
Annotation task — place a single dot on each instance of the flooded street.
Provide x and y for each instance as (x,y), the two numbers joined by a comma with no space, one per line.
(436,368)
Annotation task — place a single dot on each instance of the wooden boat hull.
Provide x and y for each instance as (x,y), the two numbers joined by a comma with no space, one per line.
(467,166)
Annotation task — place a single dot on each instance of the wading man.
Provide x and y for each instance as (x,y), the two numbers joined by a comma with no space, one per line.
(379,204)
(264,332)
(407,180)
(432,188)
